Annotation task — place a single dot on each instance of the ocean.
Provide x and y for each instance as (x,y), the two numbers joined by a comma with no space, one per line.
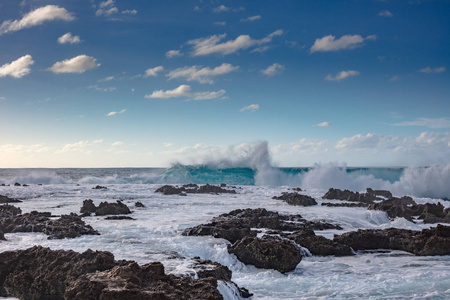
(155,235)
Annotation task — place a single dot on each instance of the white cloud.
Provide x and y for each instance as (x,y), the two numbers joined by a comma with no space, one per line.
(84,147)
(130,11)
(221,8)
(302,146)
(37,17)
(109,78)
(427,122)
(97,88)
(429,70)
(113,113)
(185,91)
(173,53)
(107,3)
(117,144)
(167,145)
(251,19)
(273,70)
(153,72)
(202,75)
(106,12)
(342,75)
(78,64)
(251,107)
(211,45)
(329,43)
(323,124)
(69,38)
(17,68)
(385,13)
(261,49)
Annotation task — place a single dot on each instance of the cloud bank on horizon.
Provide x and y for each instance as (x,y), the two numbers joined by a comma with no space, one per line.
(365,83)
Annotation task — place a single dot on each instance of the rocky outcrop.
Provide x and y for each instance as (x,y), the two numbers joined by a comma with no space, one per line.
(67,226)
(41,273)
(99,187)
(139,204)
(267,253)
(195,189)
(104,208)
(407,208)
(319,245)
(296,199)
(2,236)
(6,199)
(368,197)
(119,218)
(433,241)
(9,210)
(355,204)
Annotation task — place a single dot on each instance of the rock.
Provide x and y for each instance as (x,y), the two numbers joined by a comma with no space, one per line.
(296,199)
(67,226)
(337,194)
(368,197)
(17,184)
(194,189)
(360,204)
(267,253)
(169,190)
(319,245)
(119,218)
(213,189)
(106,208)
(99,187)
(9,210)
(5,199)
(297,189)
(2,235)
(377,193)
(139,204)
(433,241)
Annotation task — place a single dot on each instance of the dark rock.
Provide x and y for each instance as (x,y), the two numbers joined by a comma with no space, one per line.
(223,185)
(433,241)
(377,193)
(24,184)
(208,189)
(5,199)
(67,226)
(117,208)
(267,253)
(319,245)
(17,184)
(194,189)
(139,204)
(88,207)
(2,235)
(220,230)
(119,218)
(360,204)
(296,199)
(337,194)
(297,189)
(99,187)
(368,197)
(9,210)
(170,190)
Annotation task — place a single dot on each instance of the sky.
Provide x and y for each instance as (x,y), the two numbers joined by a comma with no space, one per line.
(120,83)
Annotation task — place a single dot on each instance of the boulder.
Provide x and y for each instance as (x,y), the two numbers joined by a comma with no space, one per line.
(88,207)
(195,189)
(139,204)
(296,199)
(2,235)
(119,218)
(99,187)
(368,197)
(9,210)
(5,199)
(319,245)
(117,208)
(267,253)
(355,204)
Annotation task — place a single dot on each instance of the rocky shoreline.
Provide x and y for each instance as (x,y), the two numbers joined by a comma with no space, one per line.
(259,237)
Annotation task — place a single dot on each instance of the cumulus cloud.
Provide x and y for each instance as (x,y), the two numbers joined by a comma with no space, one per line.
(251,107)
(153,72)
(173,53)
(37,17)
(78,64)
(113,113)
(429,70)
(17,68)
(330,43)
(385,13)
(221,8)
(251,19)
(117,144)
(323,124)
(185,91)
(342,75)
(427,122)
(212,45)
(202,75)
(69,38)
(273,70)
(84,147)
(129,12)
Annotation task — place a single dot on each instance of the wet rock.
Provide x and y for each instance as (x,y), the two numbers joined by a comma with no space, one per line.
(368,197)
(361,204)
(104,208)
(267,253)
(433,241)
(119,218)
(67,226)
(213,189)
(319,245)
(2,235)
(194,189)
(169,190)
(296,199)
(220,230)
(378,193)
(17,184)
(99,187)
(9,210)
(297,189)
(5,199)
(139,204)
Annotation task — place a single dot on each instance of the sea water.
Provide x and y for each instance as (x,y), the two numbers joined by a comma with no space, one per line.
(155,235)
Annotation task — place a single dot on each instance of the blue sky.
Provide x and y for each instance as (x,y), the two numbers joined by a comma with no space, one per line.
(146,83)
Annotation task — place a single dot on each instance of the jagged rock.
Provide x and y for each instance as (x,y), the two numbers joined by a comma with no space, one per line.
(296,199)
(217,230)
(99,187)
(106,208)
(17,184)
(433,241)
(9,210)
(194,189)
(2,235)
(213,189)
(119,218)
(377,193)
(139,204)
(267,253)
(67,226)
(360,204)
(169,190)
(297,189)
(368,197)
(5,199)
(319,245)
